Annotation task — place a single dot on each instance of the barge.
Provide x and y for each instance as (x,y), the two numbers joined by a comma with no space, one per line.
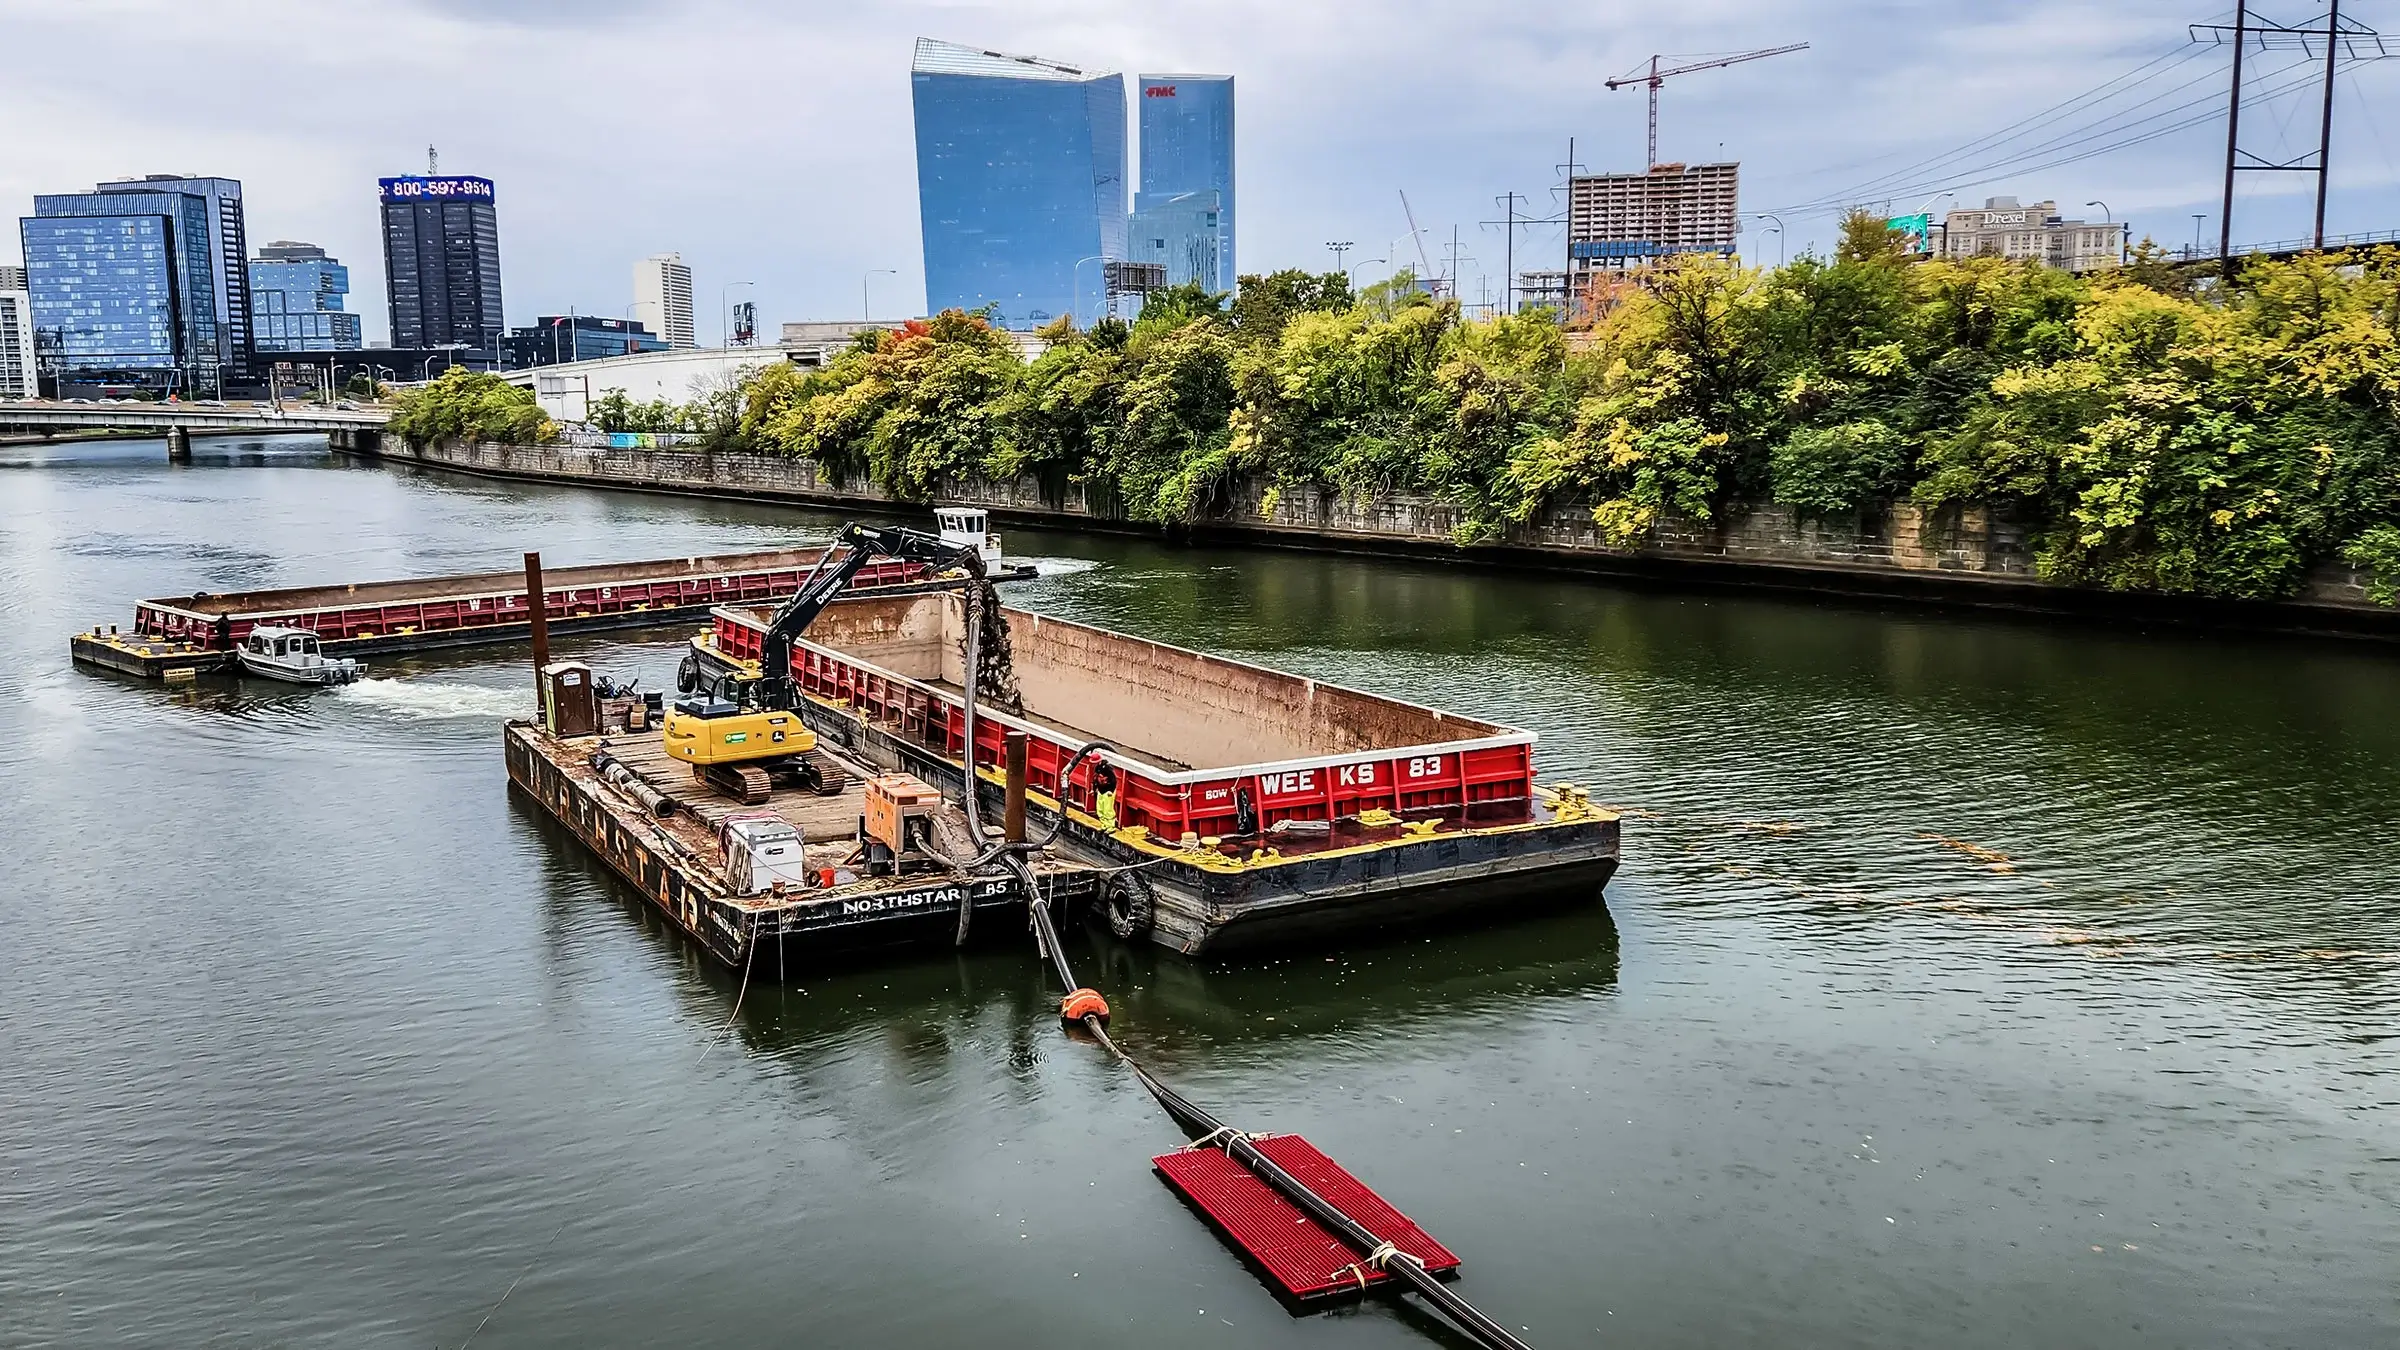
(687,851)
(1236,804)
(201,633)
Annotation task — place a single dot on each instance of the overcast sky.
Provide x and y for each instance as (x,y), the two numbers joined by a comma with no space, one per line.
(770,142)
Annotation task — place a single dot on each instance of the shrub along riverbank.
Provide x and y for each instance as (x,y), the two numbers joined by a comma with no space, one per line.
(2158,433)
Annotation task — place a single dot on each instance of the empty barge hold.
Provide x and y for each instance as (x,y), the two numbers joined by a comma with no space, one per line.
(201,632)
(1249,804)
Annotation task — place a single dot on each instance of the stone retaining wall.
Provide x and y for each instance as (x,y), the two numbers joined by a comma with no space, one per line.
(1971,556)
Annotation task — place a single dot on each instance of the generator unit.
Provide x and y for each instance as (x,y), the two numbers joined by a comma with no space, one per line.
(895,836)
(762,849)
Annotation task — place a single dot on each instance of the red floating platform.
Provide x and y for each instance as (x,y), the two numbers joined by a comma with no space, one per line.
(1299,1253)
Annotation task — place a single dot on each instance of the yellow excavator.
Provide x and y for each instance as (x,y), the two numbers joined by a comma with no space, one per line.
(742,736)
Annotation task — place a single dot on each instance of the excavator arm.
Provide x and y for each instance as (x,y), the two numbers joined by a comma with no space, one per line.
(859,545)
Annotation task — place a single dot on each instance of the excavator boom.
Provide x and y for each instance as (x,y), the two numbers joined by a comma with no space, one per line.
(741,740)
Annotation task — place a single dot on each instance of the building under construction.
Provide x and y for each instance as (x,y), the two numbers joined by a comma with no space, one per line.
(1620,221)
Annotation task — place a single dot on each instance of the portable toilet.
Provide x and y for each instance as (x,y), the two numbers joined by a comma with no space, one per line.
(568,706)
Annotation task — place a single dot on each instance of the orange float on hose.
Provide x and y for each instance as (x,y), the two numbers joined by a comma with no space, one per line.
(1081,1004)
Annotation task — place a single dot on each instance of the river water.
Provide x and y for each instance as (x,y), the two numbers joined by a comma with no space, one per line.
(1969,982)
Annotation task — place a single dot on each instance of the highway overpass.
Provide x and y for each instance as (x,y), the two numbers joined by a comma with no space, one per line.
(160,418)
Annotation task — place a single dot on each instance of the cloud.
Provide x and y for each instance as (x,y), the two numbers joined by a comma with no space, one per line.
(771,143)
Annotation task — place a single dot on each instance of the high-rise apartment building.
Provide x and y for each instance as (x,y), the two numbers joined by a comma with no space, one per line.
(19,370)
(296,295)
(441,260)
(1020,182)
(662,298)
(1186,198)
(143,282)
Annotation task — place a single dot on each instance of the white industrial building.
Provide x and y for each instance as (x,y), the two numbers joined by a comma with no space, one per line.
(662,299)
(567,391)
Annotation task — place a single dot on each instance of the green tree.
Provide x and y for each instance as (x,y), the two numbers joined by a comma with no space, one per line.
(1262,305)
(472,405)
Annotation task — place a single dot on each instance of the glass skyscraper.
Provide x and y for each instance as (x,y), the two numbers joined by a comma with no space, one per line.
(1182,231)
(441,261)
(142,283)
(1020,182)
(1187,150)
(296,295)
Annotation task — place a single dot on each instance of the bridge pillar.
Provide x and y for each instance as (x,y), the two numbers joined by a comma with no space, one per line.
(179,445)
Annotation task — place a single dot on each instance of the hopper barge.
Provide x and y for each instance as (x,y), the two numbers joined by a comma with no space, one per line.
(1236,804)
(201,634)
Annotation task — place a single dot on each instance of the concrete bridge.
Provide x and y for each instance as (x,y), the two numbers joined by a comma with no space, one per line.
(177,421)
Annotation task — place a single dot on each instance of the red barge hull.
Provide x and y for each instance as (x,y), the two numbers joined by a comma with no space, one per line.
(1251,805)
(380,618)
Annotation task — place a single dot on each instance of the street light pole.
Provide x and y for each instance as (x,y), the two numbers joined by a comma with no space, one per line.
(1925,209)
(866,306)
(1075,279)
(1769,215)
(2124,231)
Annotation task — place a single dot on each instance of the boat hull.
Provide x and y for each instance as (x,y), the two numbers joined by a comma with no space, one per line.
(327,674)
(1484,873)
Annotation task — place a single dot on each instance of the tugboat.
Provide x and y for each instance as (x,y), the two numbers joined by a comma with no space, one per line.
(292,654)
(967,527)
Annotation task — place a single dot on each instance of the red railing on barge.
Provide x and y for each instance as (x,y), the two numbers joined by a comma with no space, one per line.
(192,622)
(1488,779)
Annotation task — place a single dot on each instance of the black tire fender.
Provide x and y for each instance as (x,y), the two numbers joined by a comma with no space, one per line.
(1130,905)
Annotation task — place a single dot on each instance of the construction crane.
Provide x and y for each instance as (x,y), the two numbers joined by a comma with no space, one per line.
(1432,280)
(1655,76)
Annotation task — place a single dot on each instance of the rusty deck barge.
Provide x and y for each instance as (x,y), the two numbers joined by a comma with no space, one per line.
(678,863)
(1249,804)
(197,633)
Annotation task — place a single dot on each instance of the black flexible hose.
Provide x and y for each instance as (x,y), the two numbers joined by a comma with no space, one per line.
(1196,1122)
(1199,1124)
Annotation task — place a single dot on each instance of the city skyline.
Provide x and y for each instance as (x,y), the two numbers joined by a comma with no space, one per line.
(803,118)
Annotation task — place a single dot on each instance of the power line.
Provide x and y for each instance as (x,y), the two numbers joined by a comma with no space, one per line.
(2180,52)
(1900,178)
(2048,154)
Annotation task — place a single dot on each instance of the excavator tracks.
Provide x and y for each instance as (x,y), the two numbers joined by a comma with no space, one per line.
(820,775)
(745,783)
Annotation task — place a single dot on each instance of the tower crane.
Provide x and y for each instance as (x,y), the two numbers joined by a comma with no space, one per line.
(1432,279)
(1654,76)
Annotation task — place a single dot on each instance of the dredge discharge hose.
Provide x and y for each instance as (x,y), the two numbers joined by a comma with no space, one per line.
(1085,1007)
(1208,1130)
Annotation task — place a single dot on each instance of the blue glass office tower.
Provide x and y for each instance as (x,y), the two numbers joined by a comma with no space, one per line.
(1020,182)
(1187,149)
(1180,231)
(296,295)
(142,284)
